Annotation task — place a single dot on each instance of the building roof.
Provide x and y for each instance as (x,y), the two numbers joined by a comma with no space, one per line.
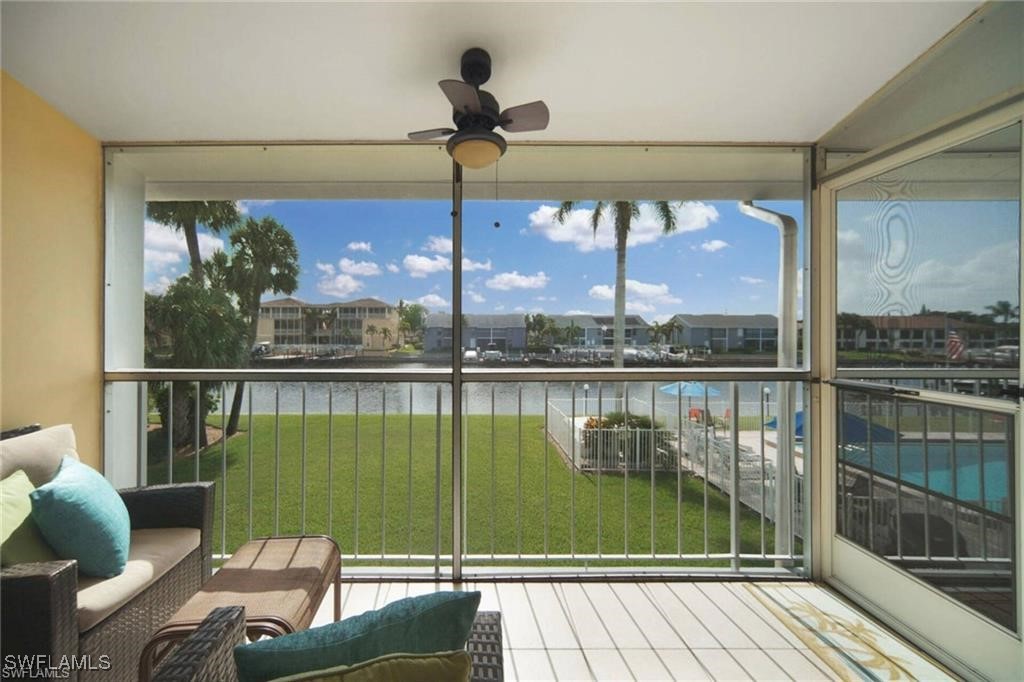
(478,321)
(358,303)
(283,302)
(728,321)
(631,320)
(931,321)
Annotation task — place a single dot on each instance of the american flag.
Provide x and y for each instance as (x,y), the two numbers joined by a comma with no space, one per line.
(954,346)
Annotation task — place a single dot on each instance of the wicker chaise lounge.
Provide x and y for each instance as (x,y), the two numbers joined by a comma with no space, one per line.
(48,609)
(206,655)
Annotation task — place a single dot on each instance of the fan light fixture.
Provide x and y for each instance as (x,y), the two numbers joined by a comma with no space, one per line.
(476,148)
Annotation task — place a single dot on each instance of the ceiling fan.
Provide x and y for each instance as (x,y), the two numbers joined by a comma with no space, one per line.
(474,143)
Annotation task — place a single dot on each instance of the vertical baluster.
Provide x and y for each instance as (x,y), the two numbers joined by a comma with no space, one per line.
(494,504)
(653,451)
(981,486)
(625,480)
(600,463)
(927,485)
(141,433)
(355,508)
(547,427)
(251,435)
(302,466)
(223,470)
(463,479)
(330,459)
(383,467)
(677,462)
(871,478)
(169,425)
(761,401)
(841,463)
(899,484)
(572,472)
(277,458)
(199,424)
(706,466)
(408,512)
(954,474)
(437,482)
(519,471)
(734,489)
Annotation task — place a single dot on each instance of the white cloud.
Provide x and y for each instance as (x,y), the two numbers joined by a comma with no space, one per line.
(519,309)
(164,248)
(713,245)
(690,216)
(421,266)
(325,268)
(432,301)
(159,286)
(752,280)
(636,292)
(393,268)
(699,275)
(244,205)
(475,297)
(513,280)
(438,244)
(498,308)
(340,286)
(360,246)
(469,265)
(639,307)
(545,298)
(365,268)
(578,312)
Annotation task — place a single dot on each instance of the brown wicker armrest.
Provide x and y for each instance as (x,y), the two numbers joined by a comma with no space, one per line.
(185,505)
(207,655)
(39,609)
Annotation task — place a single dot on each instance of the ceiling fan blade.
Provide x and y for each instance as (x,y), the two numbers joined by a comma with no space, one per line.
(526,117)
(430,134)
(463,96)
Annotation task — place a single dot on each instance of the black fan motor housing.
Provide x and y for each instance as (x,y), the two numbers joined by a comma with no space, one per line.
(486,118)
(476,66)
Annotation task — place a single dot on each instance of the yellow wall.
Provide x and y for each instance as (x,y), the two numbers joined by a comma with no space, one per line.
(51,270)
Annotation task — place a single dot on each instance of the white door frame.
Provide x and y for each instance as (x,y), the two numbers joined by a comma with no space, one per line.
(953,633)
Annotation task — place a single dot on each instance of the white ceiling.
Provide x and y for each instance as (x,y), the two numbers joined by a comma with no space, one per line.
(757,72)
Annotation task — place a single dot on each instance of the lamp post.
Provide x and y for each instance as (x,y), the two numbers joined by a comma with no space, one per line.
(767,401)
(586,399)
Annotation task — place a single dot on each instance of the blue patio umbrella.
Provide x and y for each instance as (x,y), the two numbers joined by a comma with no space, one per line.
(690,389)
(855,429)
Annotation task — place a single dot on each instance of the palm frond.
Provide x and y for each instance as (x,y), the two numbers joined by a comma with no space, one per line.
(666,215)
(595,217)
(564,210)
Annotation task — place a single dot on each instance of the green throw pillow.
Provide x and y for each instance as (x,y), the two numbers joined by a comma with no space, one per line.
(444,666)
(20,540)
(417,625)
(82,517)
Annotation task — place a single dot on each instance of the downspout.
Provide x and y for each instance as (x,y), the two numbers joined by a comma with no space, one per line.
(787,228)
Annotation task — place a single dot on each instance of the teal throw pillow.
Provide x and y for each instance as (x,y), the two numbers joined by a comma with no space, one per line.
(417,625)
(82,517)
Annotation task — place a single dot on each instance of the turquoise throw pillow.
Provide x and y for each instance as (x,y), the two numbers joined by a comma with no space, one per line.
(417,625)
(82,517)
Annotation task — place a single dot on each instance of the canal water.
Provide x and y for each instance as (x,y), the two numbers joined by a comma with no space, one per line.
(287,397)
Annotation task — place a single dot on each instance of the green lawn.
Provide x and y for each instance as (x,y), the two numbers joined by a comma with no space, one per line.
(495,523)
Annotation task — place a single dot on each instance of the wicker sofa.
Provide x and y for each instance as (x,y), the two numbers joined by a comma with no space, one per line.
(207,654)
(48,609)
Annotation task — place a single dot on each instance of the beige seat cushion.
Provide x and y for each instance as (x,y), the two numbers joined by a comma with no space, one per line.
(39,453)
(152,552)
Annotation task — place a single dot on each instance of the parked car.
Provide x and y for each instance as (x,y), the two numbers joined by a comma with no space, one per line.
(470,356)
(1006,355)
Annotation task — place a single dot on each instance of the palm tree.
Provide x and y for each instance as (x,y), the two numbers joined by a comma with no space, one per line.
(385,335)
(1003,309)
(622,215)
(264,259)
(371,331)
(185,216)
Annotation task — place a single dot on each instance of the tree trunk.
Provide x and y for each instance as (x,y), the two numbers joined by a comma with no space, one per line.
(236,403)
(623,217)
(192,242)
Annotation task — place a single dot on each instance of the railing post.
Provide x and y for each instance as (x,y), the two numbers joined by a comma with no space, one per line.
(456,371)
(734,490)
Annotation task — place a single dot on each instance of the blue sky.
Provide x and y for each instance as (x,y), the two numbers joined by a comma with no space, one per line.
(718,261)
(946,255)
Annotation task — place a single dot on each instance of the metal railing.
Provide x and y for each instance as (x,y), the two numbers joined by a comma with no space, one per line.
(370,463)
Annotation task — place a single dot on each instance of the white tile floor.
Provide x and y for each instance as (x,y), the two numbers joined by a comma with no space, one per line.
(646,631)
